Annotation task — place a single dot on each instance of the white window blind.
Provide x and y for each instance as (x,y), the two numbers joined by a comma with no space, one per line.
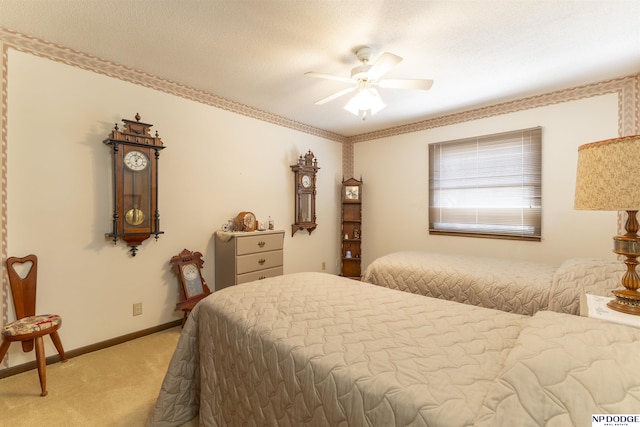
(487,186)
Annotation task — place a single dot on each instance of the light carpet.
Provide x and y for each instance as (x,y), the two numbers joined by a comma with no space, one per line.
(117,386)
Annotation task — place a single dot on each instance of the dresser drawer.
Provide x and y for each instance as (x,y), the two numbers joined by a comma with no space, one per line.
(259,261)
(253,244)
(259,275)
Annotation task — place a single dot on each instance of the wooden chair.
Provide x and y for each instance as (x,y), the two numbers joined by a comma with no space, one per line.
(30,328)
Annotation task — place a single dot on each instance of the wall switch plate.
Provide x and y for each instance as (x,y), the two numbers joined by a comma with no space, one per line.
(137,309)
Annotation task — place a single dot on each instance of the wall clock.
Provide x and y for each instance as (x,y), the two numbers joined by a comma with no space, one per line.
(187,267)
(351,228)
(305,193)
(135,155)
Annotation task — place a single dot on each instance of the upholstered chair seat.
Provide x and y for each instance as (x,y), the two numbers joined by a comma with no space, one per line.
(32,324)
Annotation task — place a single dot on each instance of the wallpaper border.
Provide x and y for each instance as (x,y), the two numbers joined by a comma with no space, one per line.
(4,281)
(626,87)
(84,61)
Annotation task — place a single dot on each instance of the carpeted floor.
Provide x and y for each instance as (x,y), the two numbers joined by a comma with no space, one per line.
(116,386)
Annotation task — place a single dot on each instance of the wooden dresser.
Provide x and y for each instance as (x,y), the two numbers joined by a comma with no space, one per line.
(243,257)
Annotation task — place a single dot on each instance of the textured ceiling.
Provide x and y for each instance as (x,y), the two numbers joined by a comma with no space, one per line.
(256,52)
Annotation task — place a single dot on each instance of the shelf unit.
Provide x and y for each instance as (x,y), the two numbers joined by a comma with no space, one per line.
(351,231)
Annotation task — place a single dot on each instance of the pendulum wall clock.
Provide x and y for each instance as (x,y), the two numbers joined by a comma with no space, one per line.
(135,183)
(305,193)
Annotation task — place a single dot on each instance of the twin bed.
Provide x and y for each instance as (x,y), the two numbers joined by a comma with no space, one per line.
(320,350)
(515,286)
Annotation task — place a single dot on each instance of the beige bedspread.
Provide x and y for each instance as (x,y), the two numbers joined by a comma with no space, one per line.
(515,286)
(320,350)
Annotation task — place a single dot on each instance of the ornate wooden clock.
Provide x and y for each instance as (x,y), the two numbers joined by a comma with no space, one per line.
(135,183)
(187,267)
(305,193)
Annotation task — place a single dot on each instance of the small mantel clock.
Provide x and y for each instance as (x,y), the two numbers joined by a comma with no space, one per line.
(305,193)
(135,155)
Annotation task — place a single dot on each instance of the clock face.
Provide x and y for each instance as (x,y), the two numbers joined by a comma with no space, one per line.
(351,193)
(190,271)
(192,282)
(136,161)
(249,221)
(306,181)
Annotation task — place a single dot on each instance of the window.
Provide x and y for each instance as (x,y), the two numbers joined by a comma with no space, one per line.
(487,186)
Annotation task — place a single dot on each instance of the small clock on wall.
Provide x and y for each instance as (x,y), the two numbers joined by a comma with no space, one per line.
(135,156)
(305,193)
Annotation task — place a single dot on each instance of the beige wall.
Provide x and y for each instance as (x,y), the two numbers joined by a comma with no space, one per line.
(216,164)
(402,191)
(219,161)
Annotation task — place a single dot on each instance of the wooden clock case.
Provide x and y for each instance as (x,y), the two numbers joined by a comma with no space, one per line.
(135,183)
(305,193)
(351,251)
(187,266)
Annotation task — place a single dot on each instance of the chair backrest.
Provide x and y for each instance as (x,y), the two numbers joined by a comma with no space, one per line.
(23,288)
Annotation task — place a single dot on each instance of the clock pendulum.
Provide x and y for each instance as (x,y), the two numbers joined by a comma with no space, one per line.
(137,162)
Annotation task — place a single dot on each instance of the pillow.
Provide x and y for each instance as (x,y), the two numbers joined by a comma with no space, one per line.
(561,370)
(577,276)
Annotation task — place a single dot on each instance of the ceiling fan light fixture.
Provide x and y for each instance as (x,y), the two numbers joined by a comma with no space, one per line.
(365,78)
(365,102)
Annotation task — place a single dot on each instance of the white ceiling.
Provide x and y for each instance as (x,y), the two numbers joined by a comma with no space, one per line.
(255,52)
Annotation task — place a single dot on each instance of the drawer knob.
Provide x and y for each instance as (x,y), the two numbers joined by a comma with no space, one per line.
(261,243)
(261,261)
(262,277)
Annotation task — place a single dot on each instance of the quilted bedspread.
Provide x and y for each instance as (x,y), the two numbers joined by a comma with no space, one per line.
(314,349)
(515,286)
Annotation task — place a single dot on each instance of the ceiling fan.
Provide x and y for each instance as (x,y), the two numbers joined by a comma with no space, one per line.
(365,78)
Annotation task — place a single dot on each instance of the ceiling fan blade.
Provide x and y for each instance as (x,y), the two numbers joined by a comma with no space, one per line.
(383,64)
(416,84)
(328,77)
(336,95)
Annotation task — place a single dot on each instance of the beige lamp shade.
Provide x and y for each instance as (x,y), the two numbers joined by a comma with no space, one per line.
(608,176)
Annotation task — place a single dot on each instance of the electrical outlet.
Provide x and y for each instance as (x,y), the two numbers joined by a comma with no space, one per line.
(324,265)
(137,309)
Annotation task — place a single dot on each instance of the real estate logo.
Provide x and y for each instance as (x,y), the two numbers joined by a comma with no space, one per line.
(615,420)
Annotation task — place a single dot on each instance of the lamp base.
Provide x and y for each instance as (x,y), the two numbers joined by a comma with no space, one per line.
(627,301)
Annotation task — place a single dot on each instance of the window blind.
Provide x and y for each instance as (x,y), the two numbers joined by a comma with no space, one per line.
(487,186)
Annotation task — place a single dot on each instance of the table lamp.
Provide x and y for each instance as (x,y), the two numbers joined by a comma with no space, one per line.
(608,178)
